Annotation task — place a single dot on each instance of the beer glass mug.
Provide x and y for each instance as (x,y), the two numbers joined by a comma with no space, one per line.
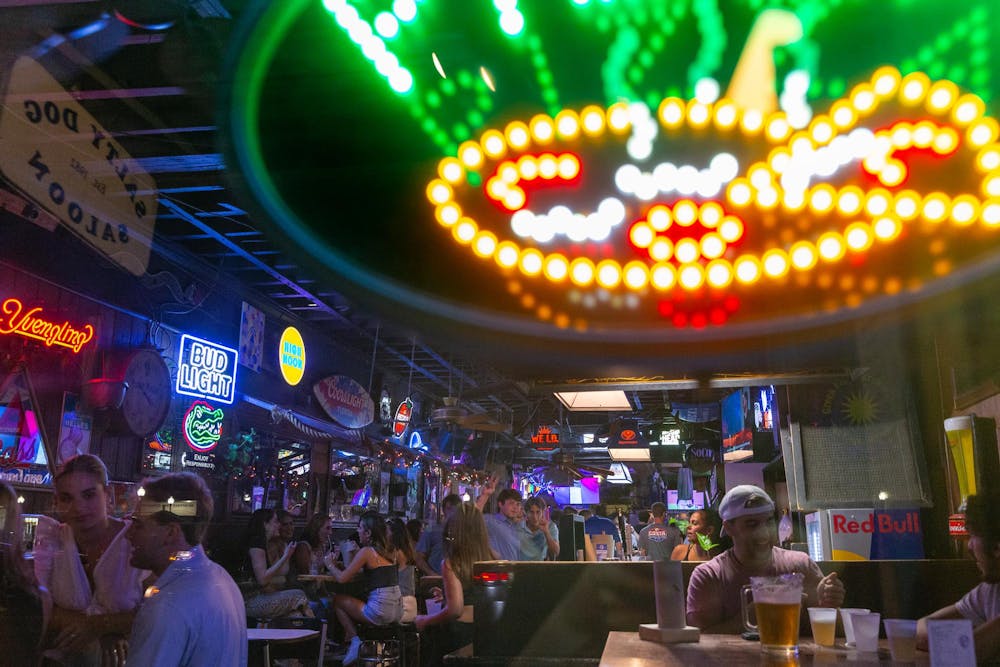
(777,601)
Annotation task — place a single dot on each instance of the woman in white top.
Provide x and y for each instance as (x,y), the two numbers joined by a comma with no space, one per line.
(84,564)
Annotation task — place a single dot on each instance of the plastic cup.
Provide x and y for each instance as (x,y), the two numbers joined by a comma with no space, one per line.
(845,617)
(866,631)
(902,635)
(824,625)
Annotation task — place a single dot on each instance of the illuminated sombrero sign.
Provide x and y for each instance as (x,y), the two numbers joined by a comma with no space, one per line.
(841,171)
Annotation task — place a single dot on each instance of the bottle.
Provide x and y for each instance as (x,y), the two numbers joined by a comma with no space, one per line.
(785,528)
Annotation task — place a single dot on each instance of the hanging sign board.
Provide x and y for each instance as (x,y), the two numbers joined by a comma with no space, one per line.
(345,401)
(53,150)
(403,415)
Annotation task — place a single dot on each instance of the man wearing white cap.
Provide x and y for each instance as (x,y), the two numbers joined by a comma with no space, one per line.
(713,596)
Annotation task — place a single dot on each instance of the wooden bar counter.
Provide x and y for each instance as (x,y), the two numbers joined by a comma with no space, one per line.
(625,649)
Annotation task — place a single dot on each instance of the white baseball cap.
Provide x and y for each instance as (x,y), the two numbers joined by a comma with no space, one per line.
(744,500)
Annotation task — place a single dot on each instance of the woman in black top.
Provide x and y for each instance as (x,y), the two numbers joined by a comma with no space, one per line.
(377,562)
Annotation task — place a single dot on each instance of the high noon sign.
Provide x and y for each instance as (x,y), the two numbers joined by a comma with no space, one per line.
(292,356)
(57,153)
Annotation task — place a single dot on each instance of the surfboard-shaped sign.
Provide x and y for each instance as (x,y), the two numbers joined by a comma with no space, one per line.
(345,401)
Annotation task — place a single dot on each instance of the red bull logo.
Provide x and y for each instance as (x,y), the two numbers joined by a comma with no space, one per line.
(886,523)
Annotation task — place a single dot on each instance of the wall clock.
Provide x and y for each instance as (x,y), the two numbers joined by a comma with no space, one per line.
(148,391)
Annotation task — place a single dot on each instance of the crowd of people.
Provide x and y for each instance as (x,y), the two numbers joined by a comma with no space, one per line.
(101,590)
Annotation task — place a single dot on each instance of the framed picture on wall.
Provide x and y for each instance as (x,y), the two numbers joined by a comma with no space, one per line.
(74,430)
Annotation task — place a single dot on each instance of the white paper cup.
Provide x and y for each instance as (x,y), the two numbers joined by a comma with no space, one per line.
(902,635)
(866,631)
(824,625)
(845,617)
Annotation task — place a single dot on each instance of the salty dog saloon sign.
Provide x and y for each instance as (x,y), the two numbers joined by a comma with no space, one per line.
(59,155)
(18,319)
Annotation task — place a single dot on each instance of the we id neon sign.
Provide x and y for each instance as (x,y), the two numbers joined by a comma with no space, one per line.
(206,370)
(15,318)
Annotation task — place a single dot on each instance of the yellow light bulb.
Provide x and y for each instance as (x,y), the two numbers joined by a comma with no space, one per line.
(988,159)
(907,205)
(775,263)
(484,245)
(712,246)
(556,267)
(542,129)
(592,120)
(507,254)
(568,124)
(748,270)
(946,141)
(935,207)
(659,218)
(751,122)
(691,276)
(671,112)
(858,236)
(725,114)
(849,200)
(438,192)
(991,213)
(661,249)
(527,166)
(508,172)
(569,167)
(965,209)
(863,98)
(662,276)
(517,135)
(941,96)
(877,202)
(698,114)
(635,275)
(731,229)
(821,198)
(464,231)
(983,131)
(547,166)
(831,246)
(448,214)
(685,212)
(885,80)
(493,143)
(618,120)
(609,273)
(803,255)
(968,108)
(470,154)
(451,170)
(842,114)
(739,192)
(710,213)
(641,235)
(886,228)
(821,130)
(530,262)
(778,128)
(686,250)
(719,273)
(913,87)
(581,271)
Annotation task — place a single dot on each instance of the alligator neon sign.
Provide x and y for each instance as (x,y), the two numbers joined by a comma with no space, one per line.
(203,426)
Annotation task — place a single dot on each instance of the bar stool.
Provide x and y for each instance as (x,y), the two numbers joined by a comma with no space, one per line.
(405,635)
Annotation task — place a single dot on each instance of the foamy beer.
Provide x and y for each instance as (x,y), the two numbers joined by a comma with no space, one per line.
(777,602)
(961,443)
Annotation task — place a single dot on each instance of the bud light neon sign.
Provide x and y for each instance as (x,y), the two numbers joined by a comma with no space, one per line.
(206,370)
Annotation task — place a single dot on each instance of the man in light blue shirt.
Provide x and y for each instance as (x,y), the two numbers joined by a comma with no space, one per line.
(541,539)
(429,551)
(506,527)
(194,616)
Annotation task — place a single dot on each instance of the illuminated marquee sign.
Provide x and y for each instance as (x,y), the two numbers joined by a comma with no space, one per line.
(203,426)
(660,180)
(206,370)
(292,356)
(16,319)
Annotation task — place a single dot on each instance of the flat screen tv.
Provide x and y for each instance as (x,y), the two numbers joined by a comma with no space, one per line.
(696,502)
(745,412)
(586,491)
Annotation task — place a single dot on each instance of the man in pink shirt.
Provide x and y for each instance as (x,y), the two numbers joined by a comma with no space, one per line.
(981,605)
(713,596)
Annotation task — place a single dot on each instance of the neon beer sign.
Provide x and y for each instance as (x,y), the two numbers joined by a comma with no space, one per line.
(206,370)
(16,319)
